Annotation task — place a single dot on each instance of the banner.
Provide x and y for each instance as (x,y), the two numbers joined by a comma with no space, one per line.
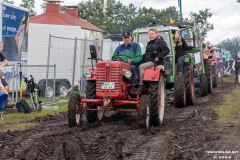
(14,32)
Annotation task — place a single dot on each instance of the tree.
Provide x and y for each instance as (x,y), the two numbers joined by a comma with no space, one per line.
(201,22)
(150,17)
(114,17)
(43,6)
(9,1)
(29,4)
(232,45)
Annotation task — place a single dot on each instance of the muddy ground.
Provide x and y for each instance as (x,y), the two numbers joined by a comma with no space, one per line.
(187,133)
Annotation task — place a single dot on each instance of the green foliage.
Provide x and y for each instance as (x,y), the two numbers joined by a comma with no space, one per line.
(114,17)
(9,1)
(201,21)
(29,4)
(43,6)
(232,45)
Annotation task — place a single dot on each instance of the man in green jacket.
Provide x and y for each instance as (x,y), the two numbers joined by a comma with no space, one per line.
(130,49)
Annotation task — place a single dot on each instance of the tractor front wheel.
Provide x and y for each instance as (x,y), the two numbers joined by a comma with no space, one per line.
(91,94)
(179,91)
(73,118)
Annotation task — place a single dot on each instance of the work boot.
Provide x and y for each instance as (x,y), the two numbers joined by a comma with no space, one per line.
(141,88)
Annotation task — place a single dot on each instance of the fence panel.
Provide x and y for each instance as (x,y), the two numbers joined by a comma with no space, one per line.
(71,58)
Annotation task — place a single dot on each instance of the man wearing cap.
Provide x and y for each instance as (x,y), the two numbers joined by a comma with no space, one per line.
(133,50)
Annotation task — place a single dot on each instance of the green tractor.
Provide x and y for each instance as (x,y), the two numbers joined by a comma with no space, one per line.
(183,85)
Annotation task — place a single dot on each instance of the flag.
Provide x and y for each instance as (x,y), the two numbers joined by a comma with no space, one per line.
(171,21)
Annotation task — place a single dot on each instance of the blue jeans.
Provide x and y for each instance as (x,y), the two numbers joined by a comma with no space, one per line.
(134,72)
(180,63)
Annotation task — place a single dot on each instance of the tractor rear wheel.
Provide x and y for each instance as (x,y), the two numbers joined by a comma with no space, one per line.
(91,94)
(156,101)
(214,73)
(189,84)
(203,86)
(73,105)
(179,91)
(208,69)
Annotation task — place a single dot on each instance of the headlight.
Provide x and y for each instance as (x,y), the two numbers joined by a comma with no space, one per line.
(88,74)
(128,74)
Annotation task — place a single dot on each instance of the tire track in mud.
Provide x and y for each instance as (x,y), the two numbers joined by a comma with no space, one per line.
(186,134)
(230,142)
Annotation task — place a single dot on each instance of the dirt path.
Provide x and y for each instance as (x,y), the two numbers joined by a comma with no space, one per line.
(188,133)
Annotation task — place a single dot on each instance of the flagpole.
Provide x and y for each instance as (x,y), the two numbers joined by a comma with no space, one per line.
(180,6)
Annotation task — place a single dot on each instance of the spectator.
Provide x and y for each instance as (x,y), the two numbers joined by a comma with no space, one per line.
(133,56)
(237,68)
(180,48)
(156,50)
(2,58)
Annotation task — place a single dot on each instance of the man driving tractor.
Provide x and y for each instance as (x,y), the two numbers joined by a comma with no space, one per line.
(133,56)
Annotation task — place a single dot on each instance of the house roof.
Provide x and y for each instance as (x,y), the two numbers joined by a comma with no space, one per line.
(54,16)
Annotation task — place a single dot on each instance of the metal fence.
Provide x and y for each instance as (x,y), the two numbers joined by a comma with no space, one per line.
(71,57)
(12,74)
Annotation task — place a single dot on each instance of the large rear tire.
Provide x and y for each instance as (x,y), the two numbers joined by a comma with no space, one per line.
(179,91)
(157,101)
(208,69)
(189,84)
(203,86)
(73,105)
(91,94)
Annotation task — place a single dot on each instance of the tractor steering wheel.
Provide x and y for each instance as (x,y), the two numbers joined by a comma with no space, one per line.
(118,57)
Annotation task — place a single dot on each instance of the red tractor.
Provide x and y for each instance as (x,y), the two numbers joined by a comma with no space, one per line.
(107,89)
(210,64)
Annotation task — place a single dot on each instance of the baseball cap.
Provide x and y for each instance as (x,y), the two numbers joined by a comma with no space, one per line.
(126,34)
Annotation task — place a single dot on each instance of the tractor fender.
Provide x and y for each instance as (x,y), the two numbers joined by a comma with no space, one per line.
(151,74)
(94,74)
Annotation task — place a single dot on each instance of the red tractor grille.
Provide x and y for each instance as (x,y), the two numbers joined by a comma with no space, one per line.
(109,74)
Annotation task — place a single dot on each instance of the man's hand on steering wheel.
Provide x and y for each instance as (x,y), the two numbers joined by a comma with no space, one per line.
(120,55)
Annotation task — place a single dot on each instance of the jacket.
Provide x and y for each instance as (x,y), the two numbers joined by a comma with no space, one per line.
(180,50)
(132,50)
(156,48)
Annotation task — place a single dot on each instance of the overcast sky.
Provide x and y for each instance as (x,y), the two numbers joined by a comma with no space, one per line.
(225,17)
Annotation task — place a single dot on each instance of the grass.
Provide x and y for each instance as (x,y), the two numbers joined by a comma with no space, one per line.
(22,121)
(228,79)
(229,110)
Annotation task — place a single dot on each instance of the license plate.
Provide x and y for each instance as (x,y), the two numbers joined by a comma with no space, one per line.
(108,85)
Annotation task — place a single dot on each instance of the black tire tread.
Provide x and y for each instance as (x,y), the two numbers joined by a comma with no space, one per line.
(208,69)
(91,94)
(153,101)
(179,91)
(73,102)
(214,73)
(204,86)
(187,71)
